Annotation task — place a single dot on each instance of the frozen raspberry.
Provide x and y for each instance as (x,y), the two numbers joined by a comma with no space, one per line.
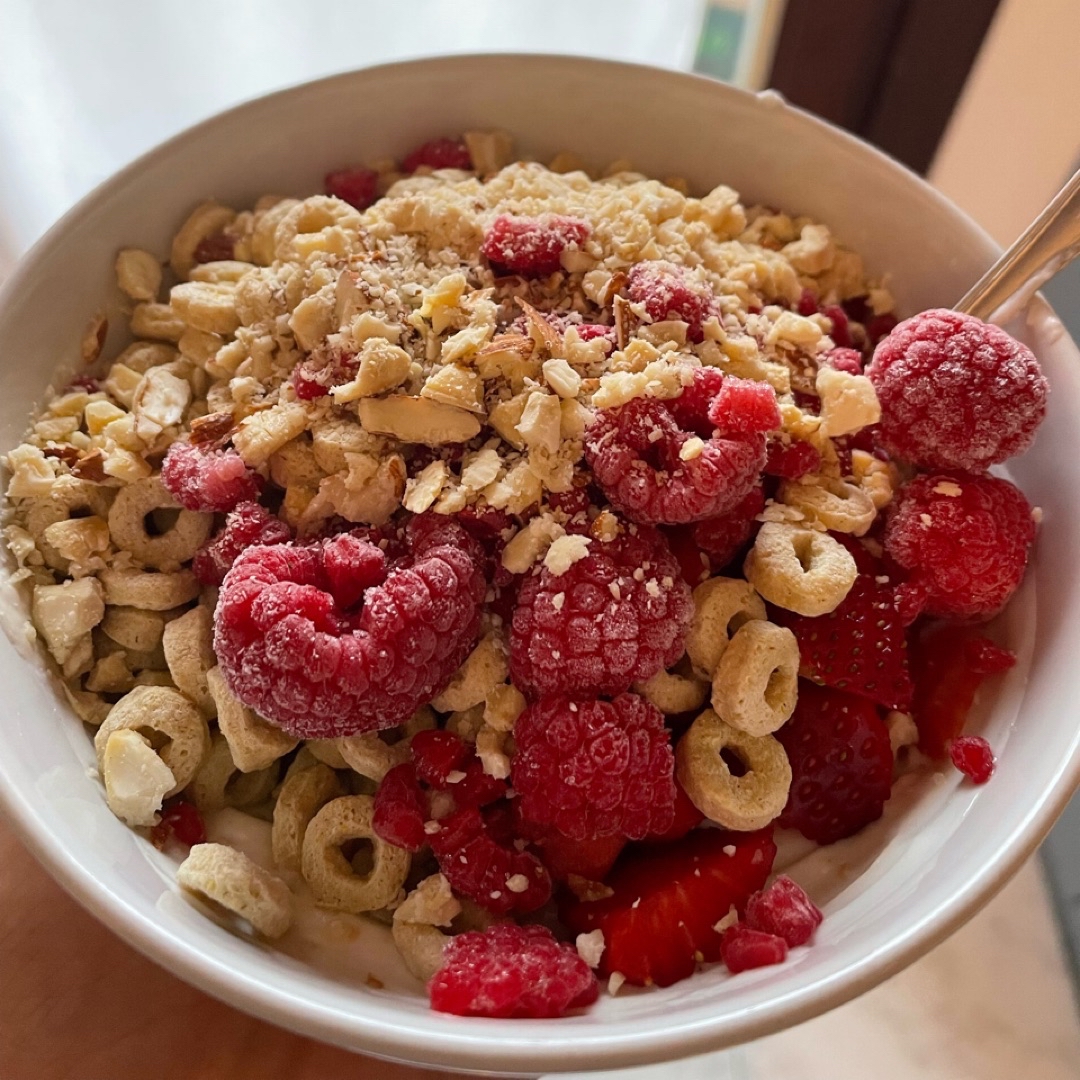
(690,409)
(292,651)
(963,539)
(447,763)
(217,247)
(666,291)
(790,459)
(594,768)
(326,367)
(181,821)
(245,526)
(209,480)
(745,407)
(879,327)
(83,382)
(785,910)
(722,538)
(956,393)
(566,858)
(743,948)
(972,755)
(441,153)
(840,333)
(511,971)
(532,247)
(499,878)
(400,809)
(358,187)
(634,453)
(849,360)
(685,818)
(808,304)
(841,764)
(615,617)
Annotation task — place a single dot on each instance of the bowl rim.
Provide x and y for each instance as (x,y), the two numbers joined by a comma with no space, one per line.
(470,1045)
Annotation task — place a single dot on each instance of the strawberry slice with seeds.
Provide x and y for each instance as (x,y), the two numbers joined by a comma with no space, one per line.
(660,918)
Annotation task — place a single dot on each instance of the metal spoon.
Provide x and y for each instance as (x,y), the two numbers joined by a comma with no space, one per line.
(1049,243)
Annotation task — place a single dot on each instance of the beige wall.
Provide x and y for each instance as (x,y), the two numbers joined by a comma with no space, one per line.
(1015,134)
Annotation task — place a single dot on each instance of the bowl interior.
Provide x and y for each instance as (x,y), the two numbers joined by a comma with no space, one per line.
(906,883)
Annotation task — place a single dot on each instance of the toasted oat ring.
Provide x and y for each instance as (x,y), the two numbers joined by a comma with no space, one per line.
(673,693)
(127,524)
(303,794)
(219,783)
(721,606)
(320,223)
(800,569)
(231,879)
(831,502)
(743,803)
(756,682)
(254,744)
(188,642)
(416,923)
(327,751)
(149,591)
(68,498)
(166,713)
(265,228)
(369,756)
(332,880)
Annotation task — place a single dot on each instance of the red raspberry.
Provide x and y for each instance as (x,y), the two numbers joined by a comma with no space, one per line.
(245,526)
(723,538)
(685,819)
(291,651)
(841,764)
(790,460)
(955,392)
(447,763)
(209,480)
(358,187)
(511,971)
(633,451)
(785,910)
(614,618)
(879,327)
(972,755)
(498,878)
(840,333)
(532,246)
(667,291)
(743,948)
(182,821)
(217,247)
(745,407)
(808,304)
(849,360)
(593,768)
(588,859)
(326,367)
(690,409)
(441,153)
(964,539)
(83,382)
(400,809)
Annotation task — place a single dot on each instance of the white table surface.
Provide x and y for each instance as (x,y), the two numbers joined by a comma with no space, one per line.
(86,87)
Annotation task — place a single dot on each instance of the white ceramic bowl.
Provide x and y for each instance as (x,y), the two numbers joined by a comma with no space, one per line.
(924,871)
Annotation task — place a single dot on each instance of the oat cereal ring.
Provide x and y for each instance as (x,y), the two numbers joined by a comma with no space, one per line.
(157,321)
(148,591)
(831,502)
(231,879)
(744,802)
(327,751)
(188,643)
(755,686)
(302,796)
(721,606)
(369,756)
(255,744)
(330,875)
(319,224)
(69,498)
(415,925)
(265,230)
(219,783)
(673,693)
(139,631)
(203,222)
(484,669)
(206,306)
(799,569)
(167,717)
(127,524)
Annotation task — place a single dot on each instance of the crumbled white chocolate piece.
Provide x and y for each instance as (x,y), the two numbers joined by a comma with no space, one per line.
(136,779)
(848,402)
(564,552)
(590,947)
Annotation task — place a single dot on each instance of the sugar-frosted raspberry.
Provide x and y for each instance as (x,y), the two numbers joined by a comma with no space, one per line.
(594,768)
(722,538)
(744,407)
(207,479)
(840,331)
(358,186)
(743,948)
(216,247)
(955,392)
(400,809)
(972,755)
(447,763)
(326,367)
(180,821)
(499,878)
(963,539)
(532,247)
(245,526)
(511,971)
(844,359)
(667,291)
(615,617)
(293,651)
(785,910)
(441,153)
(790,459)
(634,453)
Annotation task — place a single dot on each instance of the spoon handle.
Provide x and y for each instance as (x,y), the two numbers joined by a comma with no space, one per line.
(1049,243)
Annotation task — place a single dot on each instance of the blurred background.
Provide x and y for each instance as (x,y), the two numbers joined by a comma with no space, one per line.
(980,96)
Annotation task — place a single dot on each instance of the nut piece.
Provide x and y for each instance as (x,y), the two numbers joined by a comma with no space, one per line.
(756,682)
(744,802)
(138,274)
(205,220)
(848,402)
(721,607)
(64,614)
(382,366)
(417,420)
(254,743)
(484,669)
(415,927)
(302,795)
(231,879)
(136,779)
(799,569)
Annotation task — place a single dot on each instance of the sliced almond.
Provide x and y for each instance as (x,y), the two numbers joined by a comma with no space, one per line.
(418,420)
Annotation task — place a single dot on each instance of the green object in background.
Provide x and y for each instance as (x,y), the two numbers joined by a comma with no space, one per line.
(718,46)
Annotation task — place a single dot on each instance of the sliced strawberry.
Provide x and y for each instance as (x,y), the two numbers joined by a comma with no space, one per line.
(861,647)
(666,902)
(687,818)
(948,665)
(841,764)
(589,859)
